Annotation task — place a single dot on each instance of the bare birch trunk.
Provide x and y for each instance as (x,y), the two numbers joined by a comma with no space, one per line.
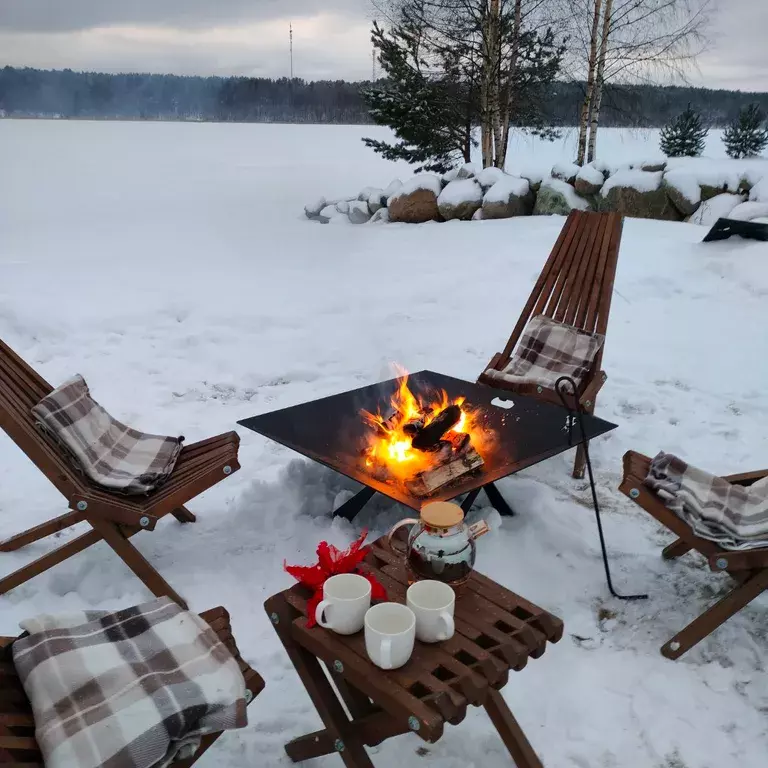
(485,107)
(496,80)
(597,98)
(586,107)
(509,92)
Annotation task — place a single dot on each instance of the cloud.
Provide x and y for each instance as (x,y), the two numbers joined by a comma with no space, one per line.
(78,15)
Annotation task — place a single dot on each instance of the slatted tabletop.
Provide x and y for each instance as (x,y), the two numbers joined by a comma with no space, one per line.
(496,631)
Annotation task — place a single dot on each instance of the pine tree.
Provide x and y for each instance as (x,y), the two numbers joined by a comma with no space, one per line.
(422,108)
(747,136)
(685,136)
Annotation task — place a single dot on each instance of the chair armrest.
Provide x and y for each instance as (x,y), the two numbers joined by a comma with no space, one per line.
(739,560)
(746,478)
(587,399)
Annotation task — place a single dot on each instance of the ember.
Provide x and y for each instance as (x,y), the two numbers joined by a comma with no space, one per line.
(423,444)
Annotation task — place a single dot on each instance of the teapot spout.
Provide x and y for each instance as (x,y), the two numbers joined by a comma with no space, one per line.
(476,530)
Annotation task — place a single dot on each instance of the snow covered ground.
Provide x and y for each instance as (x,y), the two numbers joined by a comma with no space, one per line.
(171,265)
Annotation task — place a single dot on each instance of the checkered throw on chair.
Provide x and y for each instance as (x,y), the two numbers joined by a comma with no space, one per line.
(734,516)
(132,689)
(109,453)
(547,351)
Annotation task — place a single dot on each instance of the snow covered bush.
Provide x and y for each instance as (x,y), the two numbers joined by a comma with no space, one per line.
(685,136)
(747,136)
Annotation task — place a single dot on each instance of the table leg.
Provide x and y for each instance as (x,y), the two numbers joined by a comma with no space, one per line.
(340,734)
(349,509)
(510,731)
(497,500)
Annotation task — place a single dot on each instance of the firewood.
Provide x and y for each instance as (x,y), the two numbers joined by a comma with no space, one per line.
(430,480)
(431,434)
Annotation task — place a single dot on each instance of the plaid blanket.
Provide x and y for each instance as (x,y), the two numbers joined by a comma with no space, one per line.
(547,351)
(109,453)
(734,516)
(132,689)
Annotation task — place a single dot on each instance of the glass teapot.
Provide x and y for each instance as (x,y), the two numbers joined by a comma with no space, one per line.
(440,544)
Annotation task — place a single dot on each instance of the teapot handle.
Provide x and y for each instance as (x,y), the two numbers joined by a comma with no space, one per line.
(395,529)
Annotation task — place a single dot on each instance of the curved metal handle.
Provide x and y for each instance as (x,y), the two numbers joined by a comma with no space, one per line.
(395,529)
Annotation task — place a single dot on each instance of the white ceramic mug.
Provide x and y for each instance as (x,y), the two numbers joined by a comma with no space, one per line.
(346,598)
(433,603)
(390,631)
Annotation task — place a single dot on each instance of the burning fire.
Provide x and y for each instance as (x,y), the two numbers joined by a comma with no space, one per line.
(390,442)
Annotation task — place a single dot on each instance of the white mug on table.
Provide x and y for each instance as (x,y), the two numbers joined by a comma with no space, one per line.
(390,631)
(433,604)
(346,598)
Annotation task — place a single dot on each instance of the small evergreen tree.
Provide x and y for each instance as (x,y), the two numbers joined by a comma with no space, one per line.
(420,106)
(747,136)
(685,136)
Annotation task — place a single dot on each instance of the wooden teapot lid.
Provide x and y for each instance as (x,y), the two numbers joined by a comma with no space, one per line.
(442,514)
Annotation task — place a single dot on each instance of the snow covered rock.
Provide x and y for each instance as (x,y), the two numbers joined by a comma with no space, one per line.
(653,167)
(365,193)
(312,210)
(467,171)
(394,186)
(556,196)
(416,200)
(377,199)
(717,207)
(460,199)
(759,192)
(478,215)
(639,194)
(358,212)
(566,172)
(381,216)
(749,211)
(489,176)
(510,196)
(683,190)
(343,206)
(589,180)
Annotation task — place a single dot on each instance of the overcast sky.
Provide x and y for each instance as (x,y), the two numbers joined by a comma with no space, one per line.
(250,37)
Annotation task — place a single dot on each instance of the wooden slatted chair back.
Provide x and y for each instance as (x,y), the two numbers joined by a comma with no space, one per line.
(21,387)
(576,284)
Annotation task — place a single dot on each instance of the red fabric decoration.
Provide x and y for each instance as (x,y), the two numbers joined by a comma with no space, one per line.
(331,561)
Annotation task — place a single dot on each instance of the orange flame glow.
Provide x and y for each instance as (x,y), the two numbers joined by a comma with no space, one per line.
(389,445)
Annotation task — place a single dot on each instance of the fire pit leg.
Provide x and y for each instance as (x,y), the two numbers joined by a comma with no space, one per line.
(349,509)
(497,500)
(469,500)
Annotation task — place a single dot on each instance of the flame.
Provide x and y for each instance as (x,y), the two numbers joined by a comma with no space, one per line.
(390,445)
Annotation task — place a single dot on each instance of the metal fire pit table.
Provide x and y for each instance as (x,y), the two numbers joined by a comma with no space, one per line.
(332,431)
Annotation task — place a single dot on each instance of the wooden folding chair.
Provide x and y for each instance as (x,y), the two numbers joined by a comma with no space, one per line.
(575,287)
(113,517)
(18,746)
(748,567)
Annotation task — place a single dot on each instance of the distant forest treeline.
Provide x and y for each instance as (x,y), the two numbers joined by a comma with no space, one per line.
(53,93)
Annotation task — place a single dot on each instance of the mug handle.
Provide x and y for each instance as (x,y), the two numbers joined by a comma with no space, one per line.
(447,620)
(321,608)
(395,529)
(386,653)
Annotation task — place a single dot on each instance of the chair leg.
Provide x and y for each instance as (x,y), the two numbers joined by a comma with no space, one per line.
(676,549)
(183,515)
(579,463)
(510,731)
(716,615)
(44,563)
(41,531)
(131,556)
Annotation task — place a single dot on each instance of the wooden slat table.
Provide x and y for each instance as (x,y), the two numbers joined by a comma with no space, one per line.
(496,631)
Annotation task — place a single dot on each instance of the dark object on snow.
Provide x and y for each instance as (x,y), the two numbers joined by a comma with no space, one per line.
(722,229)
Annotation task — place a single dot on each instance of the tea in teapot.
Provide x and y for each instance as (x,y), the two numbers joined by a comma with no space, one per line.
(440,544)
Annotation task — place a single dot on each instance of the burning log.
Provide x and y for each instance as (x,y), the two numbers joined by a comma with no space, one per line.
(455,457)
(428,437)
